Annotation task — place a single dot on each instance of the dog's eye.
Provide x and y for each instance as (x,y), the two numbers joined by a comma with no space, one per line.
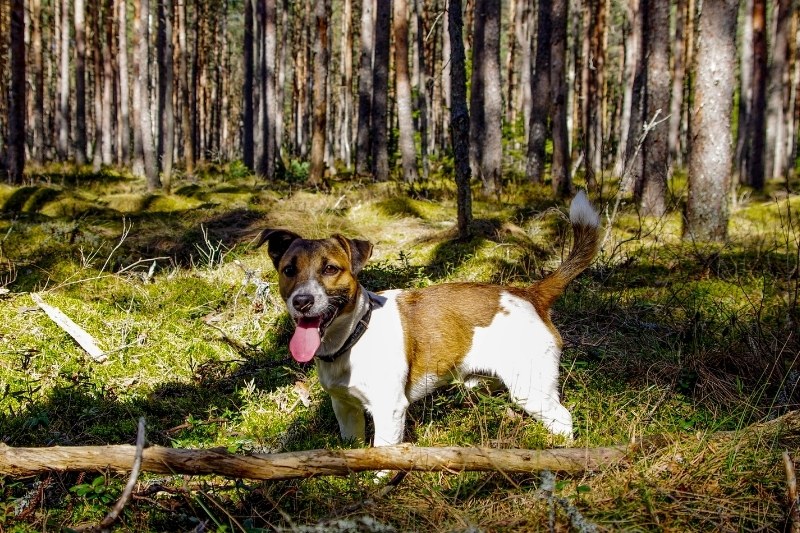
(289,271)
(330,270)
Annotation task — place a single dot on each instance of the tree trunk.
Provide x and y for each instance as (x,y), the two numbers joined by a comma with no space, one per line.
(346,92)
(142,28)
(655,151)
(96,12)
(710,155)
(408,151)
(186,111)
(422,86)
(632,43)
(459,116)
(122,60)
(560,168)
(486,109)
(675,147)
(778,84)
(166,112)
(365,88)
(16,112)
(63,117)
(108,83)
(247,94)
(80,84)
(321,58)
(270,100)
(594,68)
(756,128)
(540,95)
(380,92)
(38,82)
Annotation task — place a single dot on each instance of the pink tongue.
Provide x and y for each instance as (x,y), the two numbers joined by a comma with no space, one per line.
(305,340)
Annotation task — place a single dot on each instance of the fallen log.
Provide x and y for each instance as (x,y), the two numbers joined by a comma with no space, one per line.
(22,462)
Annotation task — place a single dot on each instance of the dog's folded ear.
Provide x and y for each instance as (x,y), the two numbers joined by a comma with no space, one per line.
(278,241)
(359,251)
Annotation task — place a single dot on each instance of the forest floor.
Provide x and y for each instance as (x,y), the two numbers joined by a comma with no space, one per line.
(663,336)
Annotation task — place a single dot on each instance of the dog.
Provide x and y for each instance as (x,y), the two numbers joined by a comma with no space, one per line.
(380,352)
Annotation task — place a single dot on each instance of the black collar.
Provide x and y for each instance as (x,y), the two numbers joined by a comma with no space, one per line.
(358,331)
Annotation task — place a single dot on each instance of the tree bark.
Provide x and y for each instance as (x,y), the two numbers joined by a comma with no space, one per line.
(365,87)
(540,95)
(38,82)
(408,152)
(183,74)
(108,83)
(63,115)
(757,125)
(346,91)
(422,86)
(166,112)
(560,168)
(270,100)
(145,121)
(486,106)
(80,83)
(652,187)
(632,43)
(122,61)
(247,96)
(710,155)
(777,85)
(16,119)
(321,59)
(459,116)
(674,144)
(380,92)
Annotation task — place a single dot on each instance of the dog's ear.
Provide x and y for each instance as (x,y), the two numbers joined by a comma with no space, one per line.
(278,241)
(359,252)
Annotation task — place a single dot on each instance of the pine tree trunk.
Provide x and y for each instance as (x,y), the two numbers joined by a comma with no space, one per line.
(632,44)
(166,113)
(38,81)
(540,96)
(108,83)
(678,77)
(321,59)
(459,116)
(260,88)
(63,116)
(756,128)
(380,92)
(248,146)
(778,83)
(365,88)
(655,150)
(422,86)
(346,92)
(186,120)
(486,106)
(96,12)
(408,152)
(124,90)
(142,27)
(16,113)
(560,168)
(270,99)
(710,154)
(80,84)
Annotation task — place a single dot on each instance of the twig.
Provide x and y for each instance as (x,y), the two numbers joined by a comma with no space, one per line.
(113,514)
(80,335)
(791,483)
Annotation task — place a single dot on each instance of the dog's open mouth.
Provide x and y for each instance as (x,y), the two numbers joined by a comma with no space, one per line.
(308,337)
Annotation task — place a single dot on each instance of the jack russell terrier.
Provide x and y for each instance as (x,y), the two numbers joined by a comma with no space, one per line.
(382,351)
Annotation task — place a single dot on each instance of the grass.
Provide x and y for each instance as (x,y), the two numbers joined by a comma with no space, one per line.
(662,337)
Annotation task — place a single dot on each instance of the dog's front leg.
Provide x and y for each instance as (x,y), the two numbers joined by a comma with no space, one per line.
(390,422)
(351,419)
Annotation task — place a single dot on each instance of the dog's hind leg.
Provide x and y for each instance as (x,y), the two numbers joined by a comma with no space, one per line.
(351,419)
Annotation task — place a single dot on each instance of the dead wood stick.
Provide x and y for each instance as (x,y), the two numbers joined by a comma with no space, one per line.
(290,465)
(80,335)
(791,483)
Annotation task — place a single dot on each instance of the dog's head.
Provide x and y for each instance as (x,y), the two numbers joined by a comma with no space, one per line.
(317,281)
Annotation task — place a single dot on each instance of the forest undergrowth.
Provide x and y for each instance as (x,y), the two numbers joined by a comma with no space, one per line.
(664,337)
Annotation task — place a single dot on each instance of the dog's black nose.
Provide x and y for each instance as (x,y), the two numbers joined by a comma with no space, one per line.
(303,302)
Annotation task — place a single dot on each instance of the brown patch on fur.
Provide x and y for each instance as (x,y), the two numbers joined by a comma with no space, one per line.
(439,323)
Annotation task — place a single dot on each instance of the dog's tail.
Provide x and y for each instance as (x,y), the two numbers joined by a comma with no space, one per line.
(586,231)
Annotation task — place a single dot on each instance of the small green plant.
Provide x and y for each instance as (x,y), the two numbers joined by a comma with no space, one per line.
(101,491)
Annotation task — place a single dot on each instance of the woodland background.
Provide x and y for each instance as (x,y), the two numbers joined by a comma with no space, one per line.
(145,143)
(635,89)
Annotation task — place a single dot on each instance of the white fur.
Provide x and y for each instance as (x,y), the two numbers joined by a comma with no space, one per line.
(581,211)
(516,347)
